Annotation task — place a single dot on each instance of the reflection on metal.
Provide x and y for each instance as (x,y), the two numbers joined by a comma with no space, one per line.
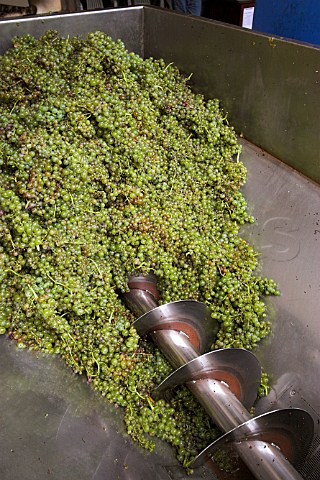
(284,241)
(291,430)
(237,368)
(271,94)
(187,316)
(265,444)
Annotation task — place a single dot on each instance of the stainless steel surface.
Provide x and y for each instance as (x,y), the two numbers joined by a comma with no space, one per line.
(255,453)
(269,86)
(123,23)
(140,301)
(147,283)
(266,462)
(286,206)
(16,3)
(311,467)
(143,294)
(291,430)
(223,407)
(191,317)
(53,426)
(271,90)
(238,368)
(175,346)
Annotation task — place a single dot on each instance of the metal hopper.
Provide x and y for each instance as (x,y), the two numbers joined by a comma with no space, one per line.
(51,424)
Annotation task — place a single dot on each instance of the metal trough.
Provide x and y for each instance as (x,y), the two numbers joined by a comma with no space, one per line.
(52,425)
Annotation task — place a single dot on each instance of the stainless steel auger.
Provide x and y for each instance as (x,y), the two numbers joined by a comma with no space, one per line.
(225,382)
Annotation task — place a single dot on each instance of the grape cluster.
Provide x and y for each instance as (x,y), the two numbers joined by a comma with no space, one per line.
(111,166)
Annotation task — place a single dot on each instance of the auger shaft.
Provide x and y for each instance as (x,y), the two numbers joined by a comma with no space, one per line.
(264,459)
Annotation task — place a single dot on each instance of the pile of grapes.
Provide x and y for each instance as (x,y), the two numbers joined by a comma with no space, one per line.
(110,166)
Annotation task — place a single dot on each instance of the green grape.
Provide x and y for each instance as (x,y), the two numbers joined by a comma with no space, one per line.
(111,165)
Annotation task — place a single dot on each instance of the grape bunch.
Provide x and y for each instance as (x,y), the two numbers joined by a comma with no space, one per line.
(111,165)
